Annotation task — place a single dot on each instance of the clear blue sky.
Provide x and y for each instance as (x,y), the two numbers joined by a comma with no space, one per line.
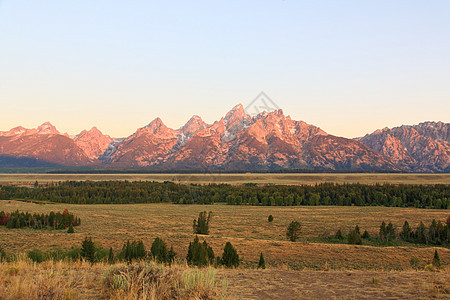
(349,67)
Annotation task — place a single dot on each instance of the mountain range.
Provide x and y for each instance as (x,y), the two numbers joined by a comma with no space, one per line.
(237,142)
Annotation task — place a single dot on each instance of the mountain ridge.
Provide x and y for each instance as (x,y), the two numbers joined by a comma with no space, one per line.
(238,141)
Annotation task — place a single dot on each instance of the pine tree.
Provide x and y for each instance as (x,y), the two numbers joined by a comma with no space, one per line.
(293,231)
(171,255)
(159,251)
(261,263)
(88,249)
(406,232)
(390,232)
(339,235)
(354,237)
(111,256)
(199,254)
(436,260)
(70,230)
(382,231)
(201,226)
(230,257)
(270,218)
(366,235)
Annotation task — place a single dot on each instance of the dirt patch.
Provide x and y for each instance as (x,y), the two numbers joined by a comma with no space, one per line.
(287,284)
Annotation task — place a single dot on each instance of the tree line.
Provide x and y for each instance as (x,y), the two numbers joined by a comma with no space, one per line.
(124,192)
(199,254)
(436,234)
(53,220)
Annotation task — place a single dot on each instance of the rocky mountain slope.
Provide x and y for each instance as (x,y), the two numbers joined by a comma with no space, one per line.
(268,141)
(422,148)
(45,145)
(93,142)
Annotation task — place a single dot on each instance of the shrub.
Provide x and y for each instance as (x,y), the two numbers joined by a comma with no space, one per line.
(270,218)
(199,254)
(2,254)
(414,262)
(429,267)
(230,257)
(73,254)
(201,226)
(293,231)
(123,278)
(70,230)
(36,255)
(261,263)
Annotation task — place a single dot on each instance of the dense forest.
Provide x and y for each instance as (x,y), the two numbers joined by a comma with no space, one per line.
(120,192)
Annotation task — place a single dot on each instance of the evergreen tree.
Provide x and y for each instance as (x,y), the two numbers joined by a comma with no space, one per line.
(339,235)
(171,255)
(383,232)
(88,249)
(390,232)
(354,237)
(270,218)
(293,231)
(433,233)
(111,256)
(199,254)
(366,235)
(70,230)
(261,263)
(230,257)
(436,260)
(421,236)
(406,232)
(201,226)
(159,251)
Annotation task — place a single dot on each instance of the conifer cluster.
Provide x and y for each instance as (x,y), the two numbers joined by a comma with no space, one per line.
(53,220)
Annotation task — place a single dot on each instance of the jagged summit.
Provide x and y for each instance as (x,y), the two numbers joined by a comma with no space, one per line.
(267,141)
(195,123)
(47,128)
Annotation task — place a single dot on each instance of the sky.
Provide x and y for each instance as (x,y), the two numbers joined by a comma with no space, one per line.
(349,67)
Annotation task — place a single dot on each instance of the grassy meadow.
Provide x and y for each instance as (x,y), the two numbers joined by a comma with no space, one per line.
(246,227)
(270,178)
(310,268)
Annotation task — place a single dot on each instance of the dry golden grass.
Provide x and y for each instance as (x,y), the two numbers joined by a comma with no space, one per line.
(294,178)
(246,227)
(286,284)
(80,280)
(23,279)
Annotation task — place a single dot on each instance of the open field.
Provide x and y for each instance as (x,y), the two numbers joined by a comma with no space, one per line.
(246,227)
(297,178)
(295,270)
(81,280)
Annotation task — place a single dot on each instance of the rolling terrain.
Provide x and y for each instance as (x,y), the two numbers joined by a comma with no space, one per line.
(307,268)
